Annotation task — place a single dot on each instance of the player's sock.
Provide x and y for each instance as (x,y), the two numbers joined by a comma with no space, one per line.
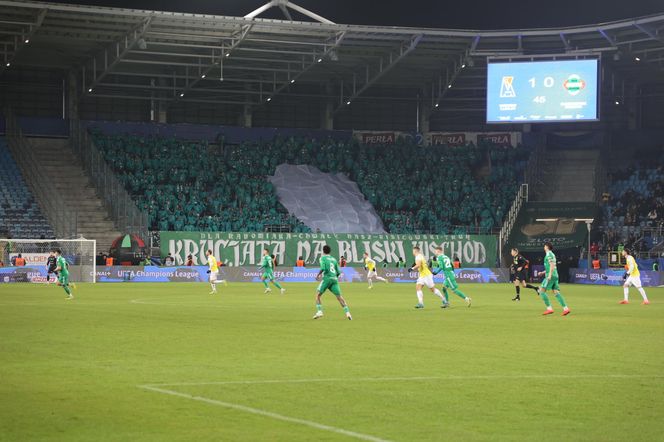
(643,294)
(347,309)
(380,278)
(518,291)
(370,282)
(447,297)
(626,293)
(420,297)
(67,289)
(319,308)
(545,298)
(530,286)
(276,283)
(561,300)
(265,283)
(440,295)
(460,294)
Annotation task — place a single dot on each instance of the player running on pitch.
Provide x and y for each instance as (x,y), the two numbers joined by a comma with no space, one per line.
(632,278)
(51,264)
(213,271)
(62,270)
(425,278)
(550,281)
(520,274)
(370,266)
(330,272)
(445,266)
(267,264)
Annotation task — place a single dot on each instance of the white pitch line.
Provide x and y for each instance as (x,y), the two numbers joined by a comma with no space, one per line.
(412,378)
(265,413)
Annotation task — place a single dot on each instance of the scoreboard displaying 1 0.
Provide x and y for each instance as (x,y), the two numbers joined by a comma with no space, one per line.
(542,91)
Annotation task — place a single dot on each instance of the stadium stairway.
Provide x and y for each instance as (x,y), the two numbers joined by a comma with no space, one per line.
(569,176)
(65,171)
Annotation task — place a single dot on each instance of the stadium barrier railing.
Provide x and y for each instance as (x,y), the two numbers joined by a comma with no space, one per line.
(63,220)
(511,217)
(127,216)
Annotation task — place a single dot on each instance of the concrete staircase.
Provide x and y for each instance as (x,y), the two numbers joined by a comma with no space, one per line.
(65,172)
(569,176)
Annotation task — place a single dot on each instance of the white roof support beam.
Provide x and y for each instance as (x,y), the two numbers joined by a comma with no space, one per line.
(308,65)
(649,32)
(385,65)
(607,37)
(110,57)
(284,5)
(225,52)
(24,39)
(565,41)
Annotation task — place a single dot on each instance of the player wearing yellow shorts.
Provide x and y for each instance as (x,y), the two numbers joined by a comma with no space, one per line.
(632,278)
(425,278)
(370,266)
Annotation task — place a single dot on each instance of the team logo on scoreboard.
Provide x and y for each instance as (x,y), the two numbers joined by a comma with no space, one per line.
(507,88)
(574,84)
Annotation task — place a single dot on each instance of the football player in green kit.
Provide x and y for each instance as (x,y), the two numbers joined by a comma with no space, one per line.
(445,266)
(330,272)
(267,264)
(550,281)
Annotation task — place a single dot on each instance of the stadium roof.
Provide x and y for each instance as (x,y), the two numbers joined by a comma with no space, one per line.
(140,54)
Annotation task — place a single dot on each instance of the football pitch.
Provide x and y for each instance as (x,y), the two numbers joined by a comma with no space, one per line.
(168,362)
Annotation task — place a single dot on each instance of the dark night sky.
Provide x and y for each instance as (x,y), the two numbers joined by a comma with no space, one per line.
(467,14)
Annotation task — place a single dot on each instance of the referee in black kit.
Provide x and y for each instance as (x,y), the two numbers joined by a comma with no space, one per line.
(519,272)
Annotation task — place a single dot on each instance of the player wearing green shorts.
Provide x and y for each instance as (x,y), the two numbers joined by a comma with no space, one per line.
(445,266)
(330,272)
(267,264)
(62,270)
(550,281)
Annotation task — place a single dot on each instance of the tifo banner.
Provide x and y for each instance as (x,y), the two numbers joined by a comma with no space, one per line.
(556,224)
(461,138)
(241,249)
(31,259)
(613,277)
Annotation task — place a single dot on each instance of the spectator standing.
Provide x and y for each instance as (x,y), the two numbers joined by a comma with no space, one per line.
(169,261)
(190,261)
(342,261)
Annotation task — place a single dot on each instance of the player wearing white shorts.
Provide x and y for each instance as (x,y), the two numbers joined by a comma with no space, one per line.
(213,272)
(370,265)
(632,278)
(425,278)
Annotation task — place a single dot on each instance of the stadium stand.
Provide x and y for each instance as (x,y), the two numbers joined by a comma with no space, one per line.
(634,203)
(20,216)
(188,185)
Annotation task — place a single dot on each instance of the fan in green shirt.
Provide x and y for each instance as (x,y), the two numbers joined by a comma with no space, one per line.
(330,273)
(550,281)
(445,266)
(267,265)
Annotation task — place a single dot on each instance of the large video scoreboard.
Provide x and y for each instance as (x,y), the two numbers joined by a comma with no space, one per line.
(542,91)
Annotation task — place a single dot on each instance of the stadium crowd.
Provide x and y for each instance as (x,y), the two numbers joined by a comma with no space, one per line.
(633,204)
(194,186)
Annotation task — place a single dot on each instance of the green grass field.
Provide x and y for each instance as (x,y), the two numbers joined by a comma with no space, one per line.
(168,362)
